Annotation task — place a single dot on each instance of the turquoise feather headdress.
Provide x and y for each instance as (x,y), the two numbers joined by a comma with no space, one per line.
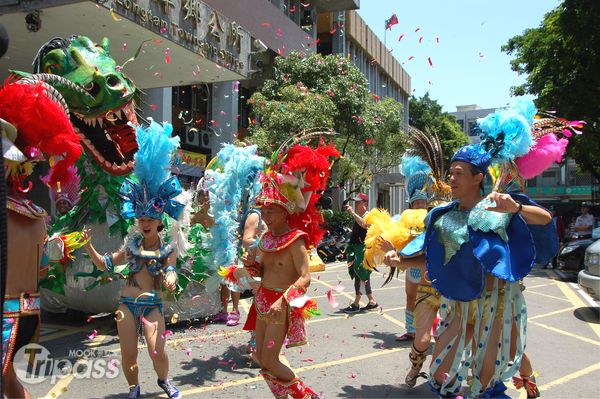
(153,190)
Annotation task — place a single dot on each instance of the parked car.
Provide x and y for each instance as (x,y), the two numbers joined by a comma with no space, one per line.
(589,277)
(572,255)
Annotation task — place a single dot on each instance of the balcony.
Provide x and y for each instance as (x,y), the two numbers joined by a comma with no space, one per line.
(336,5)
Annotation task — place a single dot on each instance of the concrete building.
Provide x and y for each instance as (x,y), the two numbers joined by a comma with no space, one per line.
(467,115)
(386,78)
(219,52)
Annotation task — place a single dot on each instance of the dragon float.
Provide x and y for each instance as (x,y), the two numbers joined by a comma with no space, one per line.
(101,102)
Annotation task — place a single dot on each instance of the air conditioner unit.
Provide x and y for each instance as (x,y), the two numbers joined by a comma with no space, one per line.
(197,138)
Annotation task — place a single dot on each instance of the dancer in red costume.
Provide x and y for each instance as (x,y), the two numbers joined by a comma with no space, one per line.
(290,190)
(32,124)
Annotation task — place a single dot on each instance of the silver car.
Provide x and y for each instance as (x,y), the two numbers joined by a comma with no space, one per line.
(589,277)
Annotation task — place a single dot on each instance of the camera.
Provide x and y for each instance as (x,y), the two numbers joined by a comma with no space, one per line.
(33,21)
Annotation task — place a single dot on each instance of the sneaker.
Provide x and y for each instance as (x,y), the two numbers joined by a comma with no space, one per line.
(134,392)
(220,317)
(370,306)
(351,309)
(169,389)
(233,319)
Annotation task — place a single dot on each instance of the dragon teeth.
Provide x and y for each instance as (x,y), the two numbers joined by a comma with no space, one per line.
(100,121)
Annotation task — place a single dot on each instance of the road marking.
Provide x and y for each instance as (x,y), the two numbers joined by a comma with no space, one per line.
(306,368)
(584,295)
(59,388)
(569,377)
(552,313)
(588,314)
(530,287)
(62,385)
(558,330)
(320,319)
(546,295)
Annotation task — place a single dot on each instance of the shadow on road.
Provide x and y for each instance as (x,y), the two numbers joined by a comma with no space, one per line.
(588,314)
(397,390)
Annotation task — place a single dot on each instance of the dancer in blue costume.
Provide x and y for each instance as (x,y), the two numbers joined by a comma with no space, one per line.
(477,249)
(151,260)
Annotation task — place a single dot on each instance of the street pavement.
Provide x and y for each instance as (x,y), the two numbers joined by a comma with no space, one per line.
(347,357)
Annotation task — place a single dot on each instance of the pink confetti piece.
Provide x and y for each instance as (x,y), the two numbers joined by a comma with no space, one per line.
(369,141)
(352,375)
(292,9)
(195,297)
(331,32)
(332,300)
(265,25)
(270,344)
(188,351)
(308,360)
(305,5)
(154,353)
(418,29)
(124,48)
(411,57)
(402,36)
(437,40)
(337,288)
(430,62)
(163,30)
(89,319)
(166,334)
(153,107)
(92,335)
(279,32)
(421,40)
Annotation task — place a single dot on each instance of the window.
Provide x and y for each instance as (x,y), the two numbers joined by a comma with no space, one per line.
(461,122)
(473,129)
(191,105)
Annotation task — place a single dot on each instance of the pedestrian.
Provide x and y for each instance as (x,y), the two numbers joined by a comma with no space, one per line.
(150,258)
(280,303)
(560,231)
(356,249)
(584,222)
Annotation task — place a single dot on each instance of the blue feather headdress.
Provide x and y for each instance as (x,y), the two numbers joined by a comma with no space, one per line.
(418,177)
(232,182)
(153,190)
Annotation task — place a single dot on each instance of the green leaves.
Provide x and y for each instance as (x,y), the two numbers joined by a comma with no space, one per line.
(561,59)
(313,91)
(427,115)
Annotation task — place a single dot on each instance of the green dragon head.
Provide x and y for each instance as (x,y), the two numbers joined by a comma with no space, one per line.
(100,98)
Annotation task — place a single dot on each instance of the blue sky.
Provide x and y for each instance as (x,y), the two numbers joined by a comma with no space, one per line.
(468,66)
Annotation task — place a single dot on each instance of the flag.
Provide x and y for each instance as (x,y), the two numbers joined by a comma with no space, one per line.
(391,22)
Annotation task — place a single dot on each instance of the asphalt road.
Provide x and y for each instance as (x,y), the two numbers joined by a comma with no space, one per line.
(348,356)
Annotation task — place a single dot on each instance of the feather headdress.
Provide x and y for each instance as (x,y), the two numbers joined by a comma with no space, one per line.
(42,127)
(154,190)
(231,179)
(428,148)
(295,179)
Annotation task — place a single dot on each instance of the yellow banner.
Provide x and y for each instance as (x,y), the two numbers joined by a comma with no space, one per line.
(193,159)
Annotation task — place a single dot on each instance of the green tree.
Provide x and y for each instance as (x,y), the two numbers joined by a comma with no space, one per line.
(561,59)
(426,115)
(312,91)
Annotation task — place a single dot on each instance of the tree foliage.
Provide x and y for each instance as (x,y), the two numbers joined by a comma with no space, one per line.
(426,115)
(561,59)
(312,91)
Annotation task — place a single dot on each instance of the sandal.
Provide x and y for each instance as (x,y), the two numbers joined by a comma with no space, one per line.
(406,337)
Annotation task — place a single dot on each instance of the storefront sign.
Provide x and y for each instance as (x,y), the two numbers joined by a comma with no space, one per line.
(191,159)
(193,25)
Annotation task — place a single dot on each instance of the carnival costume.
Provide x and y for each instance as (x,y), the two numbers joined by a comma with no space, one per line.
(231,179)
(150,193)
(294,180)
(476,258)
(33,123)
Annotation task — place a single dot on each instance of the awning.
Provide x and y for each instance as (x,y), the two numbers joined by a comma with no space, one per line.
(152,68)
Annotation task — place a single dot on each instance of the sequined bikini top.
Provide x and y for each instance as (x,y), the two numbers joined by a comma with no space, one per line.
(153,260)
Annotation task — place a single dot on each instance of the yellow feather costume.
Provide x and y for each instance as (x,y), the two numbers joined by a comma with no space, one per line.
(399,232)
